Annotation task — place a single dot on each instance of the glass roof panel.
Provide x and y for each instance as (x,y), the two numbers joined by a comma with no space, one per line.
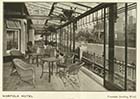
(75,6)
(40,9)
(90,4)
(68,6)
(43,9)
(38,21)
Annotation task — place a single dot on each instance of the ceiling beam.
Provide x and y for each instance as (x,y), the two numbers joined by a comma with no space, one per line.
(82,5)
(39,29)
(51,11)
(43,17)
(14,16)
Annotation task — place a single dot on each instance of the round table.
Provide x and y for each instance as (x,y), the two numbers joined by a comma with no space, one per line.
(50,61)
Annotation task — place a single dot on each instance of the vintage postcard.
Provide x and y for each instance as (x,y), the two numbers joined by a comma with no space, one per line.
(69,49)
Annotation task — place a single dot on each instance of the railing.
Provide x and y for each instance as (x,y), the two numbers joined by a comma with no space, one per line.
(95,64)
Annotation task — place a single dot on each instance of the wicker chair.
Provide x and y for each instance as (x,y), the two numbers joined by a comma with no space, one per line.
(15,54)
(25,71)
(67,61)
(70,74)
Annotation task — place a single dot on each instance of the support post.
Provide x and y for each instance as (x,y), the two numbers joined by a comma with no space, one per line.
(111,42)
(104,54)
(126,13)
(70,36)
(74,29)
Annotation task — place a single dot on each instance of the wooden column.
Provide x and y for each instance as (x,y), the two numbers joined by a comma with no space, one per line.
(67,38)
(28,27)
(56,37)
(70,36)
(60,38)
(74,29)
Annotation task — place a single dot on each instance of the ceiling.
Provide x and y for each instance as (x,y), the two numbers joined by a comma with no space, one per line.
(44,14)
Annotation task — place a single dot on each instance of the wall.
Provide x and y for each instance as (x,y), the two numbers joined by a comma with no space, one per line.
(31,35)
(4,38)
(37,37)
(23,36)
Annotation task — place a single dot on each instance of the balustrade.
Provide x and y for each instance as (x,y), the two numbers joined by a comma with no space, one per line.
(97,66)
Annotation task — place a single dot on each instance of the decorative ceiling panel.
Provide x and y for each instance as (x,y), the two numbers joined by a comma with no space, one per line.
(40,9)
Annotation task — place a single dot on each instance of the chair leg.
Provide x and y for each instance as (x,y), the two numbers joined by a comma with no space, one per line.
(57,70)
(13,71)
(33,83)
(33,79)
(78,78)
(42,70)
(19,82)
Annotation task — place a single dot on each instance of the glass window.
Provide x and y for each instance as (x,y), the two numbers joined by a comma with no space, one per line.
(131,53)
(12,39)
(119,48)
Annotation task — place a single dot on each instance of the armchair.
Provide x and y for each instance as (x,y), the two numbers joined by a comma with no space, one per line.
(25,71)
(70,74)
(15,54)
(67,61)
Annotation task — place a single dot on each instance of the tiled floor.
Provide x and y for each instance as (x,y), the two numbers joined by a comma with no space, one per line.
(11,83)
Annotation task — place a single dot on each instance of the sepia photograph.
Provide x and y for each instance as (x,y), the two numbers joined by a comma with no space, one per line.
(69,46)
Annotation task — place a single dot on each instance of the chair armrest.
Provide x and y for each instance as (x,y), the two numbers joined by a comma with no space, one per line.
(28,68)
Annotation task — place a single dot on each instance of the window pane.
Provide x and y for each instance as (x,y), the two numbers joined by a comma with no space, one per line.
(119,51)
(12,40)
(131,35)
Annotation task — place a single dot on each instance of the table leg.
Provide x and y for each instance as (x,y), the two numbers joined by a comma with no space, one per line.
(37,60)
(52,68)
(42,69)
(29,59)
(49,73)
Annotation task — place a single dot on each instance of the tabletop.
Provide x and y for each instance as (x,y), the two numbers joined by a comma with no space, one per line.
(50,59)
(35,54)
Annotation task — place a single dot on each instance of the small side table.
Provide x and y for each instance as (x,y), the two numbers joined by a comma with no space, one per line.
(50,61)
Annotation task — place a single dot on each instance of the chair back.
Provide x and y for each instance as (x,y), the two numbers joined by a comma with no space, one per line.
(74,68)
(40,50)
(47,52)
(52,52)
(16,54)
(69,59)
(21,68)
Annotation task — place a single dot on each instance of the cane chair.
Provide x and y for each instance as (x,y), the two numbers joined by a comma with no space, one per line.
(71,73)
(26,71)
(68,60)
(15,54)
